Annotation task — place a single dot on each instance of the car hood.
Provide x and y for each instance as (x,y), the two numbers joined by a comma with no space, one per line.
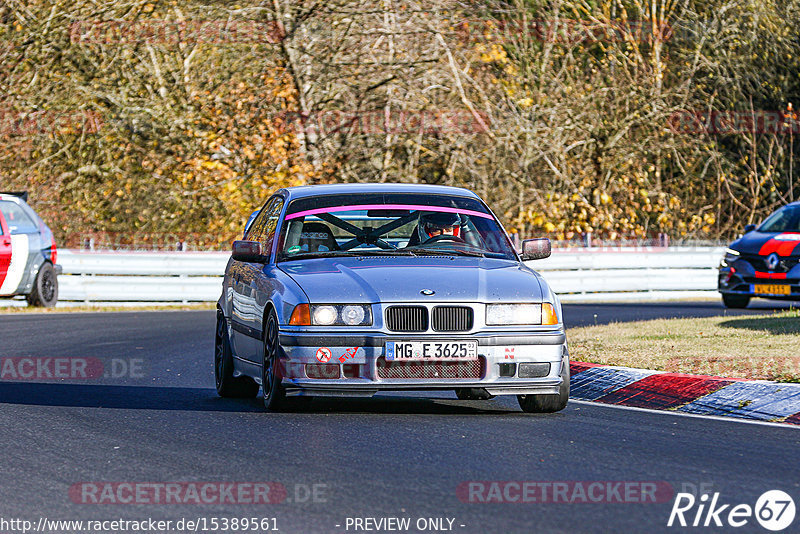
(764,243)
(401,279)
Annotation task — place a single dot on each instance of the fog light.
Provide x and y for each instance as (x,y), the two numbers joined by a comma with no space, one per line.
(351,370)
(508,369)
(327,371)
(534,370)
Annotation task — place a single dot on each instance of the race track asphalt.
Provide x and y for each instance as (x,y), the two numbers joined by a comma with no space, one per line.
(396,455)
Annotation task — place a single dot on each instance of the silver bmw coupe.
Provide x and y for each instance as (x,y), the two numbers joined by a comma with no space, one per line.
(353,289)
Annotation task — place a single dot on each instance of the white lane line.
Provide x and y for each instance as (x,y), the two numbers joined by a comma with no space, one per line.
(683,414)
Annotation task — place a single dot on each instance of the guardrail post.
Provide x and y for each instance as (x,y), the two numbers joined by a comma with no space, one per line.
(184,301)
(86,294)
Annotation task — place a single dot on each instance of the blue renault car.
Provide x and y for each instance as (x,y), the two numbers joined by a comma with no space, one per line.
(764,262)
(354,289)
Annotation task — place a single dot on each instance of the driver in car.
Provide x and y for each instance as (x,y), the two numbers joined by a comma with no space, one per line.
(432,224)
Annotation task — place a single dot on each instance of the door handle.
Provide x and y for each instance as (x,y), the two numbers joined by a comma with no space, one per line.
(6,241)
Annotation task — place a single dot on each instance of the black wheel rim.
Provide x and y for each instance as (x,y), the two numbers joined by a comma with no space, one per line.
(219,351)
(48,286)
(270,350)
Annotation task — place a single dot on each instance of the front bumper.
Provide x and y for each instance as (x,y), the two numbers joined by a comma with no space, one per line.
(362,368)
(743,283)
(748,290)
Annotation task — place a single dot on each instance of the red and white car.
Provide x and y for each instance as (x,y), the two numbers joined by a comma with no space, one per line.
(27,253)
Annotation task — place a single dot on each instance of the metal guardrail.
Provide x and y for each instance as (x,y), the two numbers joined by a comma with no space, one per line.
(141,276)
(615,274)
(628,274)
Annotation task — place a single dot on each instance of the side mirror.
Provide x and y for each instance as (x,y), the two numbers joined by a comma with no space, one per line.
(536,249)
(249,251)
(749,228)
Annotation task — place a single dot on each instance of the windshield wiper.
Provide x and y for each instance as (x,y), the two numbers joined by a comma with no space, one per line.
(312,255)
(384,252)
(445,252)
(473,253)
(354,253)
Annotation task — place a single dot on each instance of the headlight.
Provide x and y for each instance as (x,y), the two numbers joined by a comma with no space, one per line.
(520,314)
(324,315)
(341,315)
(353,315)
(731,255)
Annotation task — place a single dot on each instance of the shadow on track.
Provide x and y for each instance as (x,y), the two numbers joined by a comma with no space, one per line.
(120,397)
(773,325)
(206,400)
(403,405)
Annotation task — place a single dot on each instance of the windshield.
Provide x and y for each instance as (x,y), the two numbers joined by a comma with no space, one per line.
(391,224)
(785,220)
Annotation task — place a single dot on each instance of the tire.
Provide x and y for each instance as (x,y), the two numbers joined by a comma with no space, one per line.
(229,386)
(548,403)
(271,371)
(735,301)
(473,394)
(45,287)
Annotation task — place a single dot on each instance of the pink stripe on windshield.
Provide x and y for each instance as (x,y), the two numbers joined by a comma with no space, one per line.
(410,207)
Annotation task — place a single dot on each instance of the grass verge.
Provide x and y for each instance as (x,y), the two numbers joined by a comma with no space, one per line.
(765,347)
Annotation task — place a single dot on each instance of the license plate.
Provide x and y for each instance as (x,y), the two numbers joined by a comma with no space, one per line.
(771,289)
(431,350)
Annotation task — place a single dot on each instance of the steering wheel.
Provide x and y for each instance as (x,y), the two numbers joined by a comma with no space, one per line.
(443,237)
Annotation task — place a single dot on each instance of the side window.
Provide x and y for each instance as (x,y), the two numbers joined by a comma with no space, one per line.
(17,220)
(263,228)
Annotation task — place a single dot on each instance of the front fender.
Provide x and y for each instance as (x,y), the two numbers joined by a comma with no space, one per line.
(281,291)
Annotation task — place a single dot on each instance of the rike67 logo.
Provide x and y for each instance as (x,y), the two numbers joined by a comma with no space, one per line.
(774,510)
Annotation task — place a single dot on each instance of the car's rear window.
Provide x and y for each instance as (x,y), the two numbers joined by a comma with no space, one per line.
(17,220)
